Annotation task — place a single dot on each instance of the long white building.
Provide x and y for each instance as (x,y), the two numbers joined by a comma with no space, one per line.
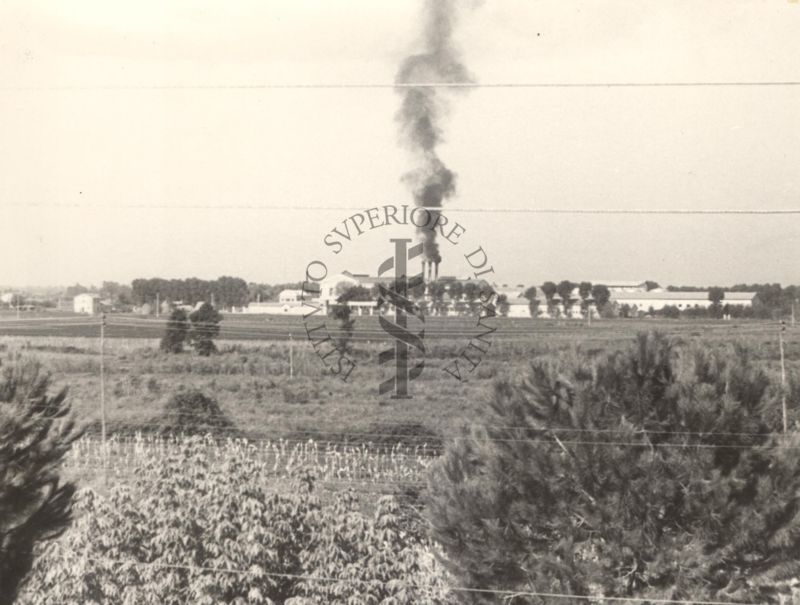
(658,299)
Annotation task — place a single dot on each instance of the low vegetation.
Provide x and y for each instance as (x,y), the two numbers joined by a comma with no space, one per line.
(196,527)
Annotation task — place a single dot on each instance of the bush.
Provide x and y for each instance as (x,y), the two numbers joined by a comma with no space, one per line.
(191,514)
(176,332)
(300,391)
(205,328)
(194,413)
(641,474)
(35,435)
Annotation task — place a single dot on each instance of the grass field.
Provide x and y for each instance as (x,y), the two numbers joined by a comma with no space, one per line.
(250,376)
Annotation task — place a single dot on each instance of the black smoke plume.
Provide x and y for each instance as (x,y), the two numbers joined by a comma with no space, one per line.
(423,108)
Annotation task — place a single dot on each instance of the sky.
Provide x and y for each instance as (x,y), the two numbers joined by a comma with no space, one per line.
(142,139)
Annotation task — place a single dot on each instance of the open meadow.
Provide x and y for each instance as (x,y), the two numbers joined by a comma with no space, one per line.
(271,387)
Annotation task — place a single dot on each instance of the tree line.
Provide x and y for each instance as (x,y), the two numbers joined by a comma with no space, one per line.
(772,299)
(225,291)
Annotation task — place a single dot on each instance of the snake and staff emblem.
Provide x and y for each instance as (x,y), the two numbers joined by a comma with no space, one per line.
(397,294)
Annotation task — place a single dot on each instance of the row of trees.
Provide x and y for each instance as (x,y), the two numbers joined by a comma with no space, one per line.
(225,291)
(588,293)
(466,297)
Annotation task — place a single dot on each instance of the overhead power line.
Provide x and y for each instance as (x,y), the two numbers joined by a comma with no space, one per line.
(357,582)
(404,85)
(444,209)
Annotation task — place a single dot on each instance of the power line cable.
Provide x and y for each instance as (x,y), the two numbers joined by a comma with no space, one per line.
(406,85)
(443,209)
(356,582)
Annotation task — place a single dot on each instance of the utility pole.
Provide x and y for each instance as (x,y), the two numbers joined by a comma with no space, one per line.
(103,379)
(783,379)
(291,356)
(794,302)
(158,304)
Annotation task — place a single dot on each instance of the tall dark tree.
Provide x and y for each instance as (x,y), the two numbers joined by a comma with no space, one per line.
(501,304)
(533,301)
(36,433)
(204,329)
(585,292)
(176,332)
(648,473)
(437,289)
(564,290)
(601,295)
(549,290)
(456,291)
(472,292)
(342,312)
(716,295)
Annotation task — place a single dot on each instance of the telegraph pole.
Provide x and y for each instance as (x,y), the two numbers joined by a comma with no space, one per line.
(783,379)
(291,356)
(158,304)
(794,302)
(102,379)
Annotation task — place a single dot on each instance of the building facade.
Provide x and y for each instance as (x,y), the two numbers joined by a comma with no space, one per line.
(657,300)
(88,304)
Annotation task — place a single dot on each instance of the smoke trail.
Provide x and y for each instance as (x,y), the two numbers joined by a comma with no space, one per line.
(422,109)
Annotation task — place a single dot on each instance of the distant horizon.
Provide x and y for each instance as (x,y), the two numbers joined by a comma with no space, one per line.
(96,287)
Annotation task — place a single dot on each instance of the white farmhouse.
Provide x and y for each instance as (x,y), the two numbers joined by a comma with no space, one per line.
(88,304)
(290,296)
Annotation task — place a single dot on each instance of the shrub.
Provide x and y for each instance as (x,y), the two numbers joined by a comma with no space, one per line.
(300,391)
(35,435)
(639,474)
(205,328)
(194,413)
(176,332)
(190,515)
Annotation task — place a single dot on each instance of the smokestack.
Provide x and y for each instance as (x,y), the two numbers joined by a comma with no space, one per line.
(421,110)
